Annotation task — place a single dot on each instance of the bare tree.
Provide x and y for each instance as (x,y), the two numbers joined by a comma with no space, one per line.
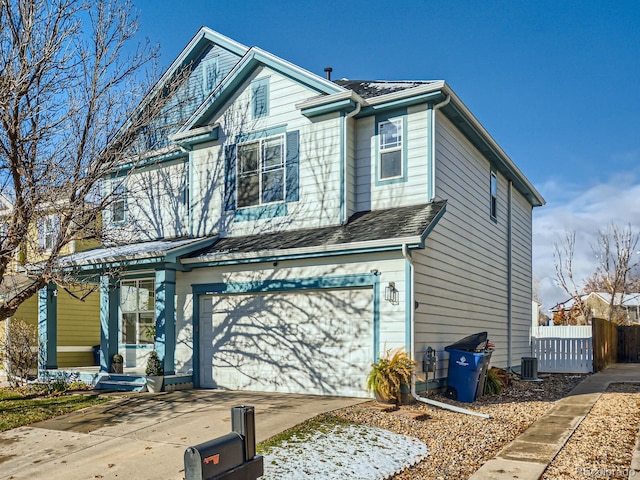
(71,80)
(615,250)
(563,254)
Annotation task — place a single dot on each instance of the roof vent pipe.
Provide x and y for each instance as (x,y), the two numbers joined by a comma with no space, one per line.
(328,71)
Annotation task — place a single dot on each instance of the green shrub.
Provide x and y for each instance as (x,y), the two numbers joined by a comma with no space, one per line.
(154,366)
(389,373)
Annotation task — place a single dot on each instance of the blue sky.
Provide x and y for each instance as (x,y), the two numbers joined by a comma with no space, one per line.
(556,83)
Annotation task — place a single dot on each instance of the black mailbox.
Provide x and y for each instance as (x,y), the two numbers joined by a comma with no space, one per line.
(229,457)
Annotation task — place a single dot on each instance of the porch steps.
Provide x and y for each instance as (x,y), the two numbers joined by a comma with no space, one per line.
(121,383)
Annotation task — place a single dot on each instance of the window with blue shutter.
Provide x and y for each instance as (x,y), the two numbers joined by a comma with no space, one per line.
(260,98)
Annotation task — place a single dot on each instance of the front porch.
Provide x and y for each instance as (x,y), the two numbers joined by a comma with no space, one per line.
(130,380)
(137,313)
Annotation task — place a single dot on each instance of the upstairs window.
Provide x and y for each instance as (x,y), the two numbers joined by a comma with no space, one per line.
(119,205)
(260,98)
(261,172)
(48,232)
(390,136)
(493,205)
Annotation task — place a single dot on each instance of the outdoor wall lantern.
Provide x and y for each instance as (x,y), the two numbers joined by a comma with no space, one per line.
(391,293)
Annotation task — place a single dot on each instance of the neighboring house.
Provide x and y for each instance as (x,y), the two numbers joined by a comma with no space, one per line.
(78,327)
(290,229)
(626,308)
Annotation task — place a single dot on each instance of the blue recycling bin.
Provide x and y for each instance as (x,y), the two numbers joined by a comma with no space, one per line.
(465,371)
(468,362)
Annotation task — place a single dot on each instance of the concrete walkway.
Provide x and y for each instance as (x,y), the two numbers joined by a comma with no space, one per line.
(144,436)
(527,457)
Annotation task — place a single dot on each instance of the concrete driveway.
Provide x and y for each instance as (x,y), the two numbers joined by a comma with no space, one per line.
(144,436)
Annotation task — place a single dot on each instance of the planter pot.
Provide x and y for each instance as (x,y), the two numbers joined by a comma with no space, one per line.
(154,383)
(384,400)
(116,367)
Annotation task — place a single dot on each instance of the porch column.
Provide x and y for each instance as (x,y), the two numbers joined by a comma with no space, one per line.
(48,327)
(165,343)
(109,299)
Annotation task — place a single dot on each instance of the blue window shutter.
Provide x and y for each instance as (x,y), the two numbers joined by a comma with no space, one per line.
(230,177)
(293,166)
(260,98)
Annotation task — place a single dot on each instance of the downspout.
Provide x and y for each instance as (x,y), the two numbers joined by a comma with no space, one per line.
(509,276)
(412,345)
(345,181)
(432,149)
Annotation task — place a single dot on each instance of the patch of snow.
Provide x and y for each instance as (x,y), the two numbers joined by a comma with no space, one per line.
(355,452)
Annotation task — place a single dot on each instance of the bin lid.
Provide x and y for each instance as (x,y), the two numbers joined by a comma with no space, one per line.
(472,343)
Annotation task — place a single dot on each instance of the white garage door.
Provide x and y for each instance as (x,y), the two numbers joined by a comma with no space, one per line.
(316,342)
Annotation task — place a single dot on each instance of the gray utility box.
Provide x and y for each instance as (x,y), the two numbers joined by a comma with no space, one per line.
(229,457)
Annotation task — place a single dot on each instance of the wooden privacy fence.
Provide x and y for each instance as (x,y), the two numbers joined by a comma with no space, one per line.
(605,343)
(563,355)
(629,344)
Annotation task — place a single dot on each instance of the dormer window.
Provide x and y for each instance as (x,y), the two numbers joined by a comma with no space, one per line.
(390,136)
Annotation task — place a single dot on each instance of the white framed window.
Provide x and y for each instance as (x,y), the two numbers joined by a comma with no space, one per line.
(137,305)
(261,172)
(49,227)
(390,135)
(119,205)
(493,194)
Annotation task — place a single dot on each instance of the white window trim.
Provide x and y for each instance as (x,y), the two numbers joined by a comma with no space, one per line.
(138,311)
(49,231)
(262,169)
(493,196)
(400,147)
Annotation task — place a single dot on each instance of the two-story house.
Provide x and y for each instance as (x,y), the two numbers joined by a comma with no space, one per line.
(288,229)
(76,331)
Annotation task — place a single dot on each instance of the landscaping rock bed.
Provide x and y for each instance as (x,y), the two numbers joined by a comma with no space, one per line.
(602,445)
(459,444)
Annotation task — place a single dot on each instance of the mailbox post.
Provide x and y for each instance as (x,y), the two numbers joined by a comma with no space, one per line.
(229,457)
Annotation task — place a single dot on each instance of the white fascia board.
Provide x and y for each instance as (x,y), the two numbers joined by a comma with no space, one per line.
(326,99)
(192,133)
(344,248)
(409,92)
(300,72)
(489,139)
(203,33)
(255,54)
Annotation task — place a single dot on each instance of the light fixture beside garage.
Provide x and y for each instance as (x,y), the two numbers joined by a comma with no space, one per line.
(391,294)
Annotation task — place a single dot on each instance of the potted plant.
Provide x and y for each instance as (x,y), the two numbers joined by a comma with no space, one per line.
(389,374)
(117,363)
(154,373)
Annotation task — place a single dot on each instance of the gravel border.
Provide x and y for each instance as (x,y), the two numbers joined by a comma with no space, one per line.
(460,444)
(603,444)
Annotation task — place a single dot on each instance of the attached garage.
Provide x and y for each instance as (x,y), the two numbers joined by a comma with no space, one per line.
(302,341)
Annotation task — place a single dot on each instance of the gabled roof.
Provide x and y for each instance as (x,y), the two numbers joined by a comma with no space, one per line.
(253,58)
(631,300)
(378,229)
(376,96)
(198,44)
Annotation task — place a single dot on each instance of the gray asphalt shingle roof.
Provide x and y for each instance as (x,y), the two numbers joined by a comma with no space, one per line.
(375,88)
(398,222)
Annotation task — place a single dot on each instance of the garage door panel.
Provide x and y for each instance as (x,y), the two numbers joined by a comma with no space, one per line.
(313,342)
